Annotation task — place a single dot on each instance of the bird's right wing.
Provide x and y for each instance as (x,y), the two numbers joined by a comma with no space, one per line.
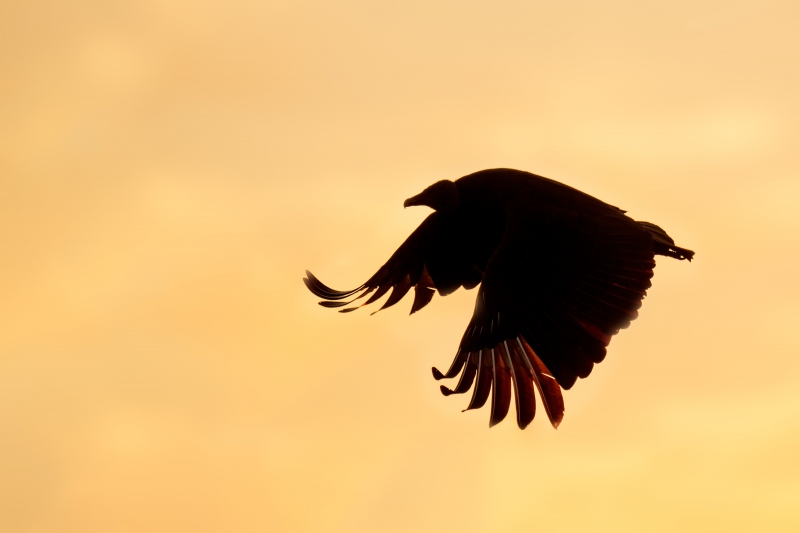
(434,257)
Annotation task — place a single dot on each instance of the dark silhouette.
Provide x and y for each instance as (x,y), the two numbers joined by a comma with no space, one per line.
(560,273)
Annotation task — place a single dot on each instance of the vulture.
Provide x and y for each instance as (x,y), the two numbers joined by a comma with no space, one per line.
(560,273)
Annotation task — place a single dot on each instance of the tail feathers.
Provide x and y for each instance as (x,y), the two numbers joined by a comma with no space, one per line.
(663,243)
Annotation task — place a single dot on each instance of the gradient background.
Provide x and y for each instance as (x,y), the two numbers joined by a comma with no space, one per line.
(168,170)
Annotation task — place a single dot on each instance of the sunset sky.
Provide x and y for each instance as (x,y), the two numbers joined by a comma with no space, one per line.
(169,170)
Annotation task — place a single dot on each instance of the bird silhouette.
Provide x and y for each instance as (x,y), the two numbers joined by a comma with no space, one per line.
(560,273)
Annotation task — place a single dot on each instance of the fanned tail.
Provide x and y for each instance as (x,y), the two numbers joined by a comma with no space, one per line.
(663,243)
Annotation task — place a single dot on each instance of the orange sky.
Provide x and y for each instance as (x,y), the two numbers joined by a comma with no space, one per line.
(168,170)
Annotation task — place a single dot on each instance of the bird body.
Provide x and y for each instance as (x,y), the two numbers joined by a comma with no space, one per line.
(560,272)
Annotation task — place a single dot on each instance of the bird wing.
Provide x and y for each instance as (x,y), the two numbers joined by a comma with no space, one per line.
(439,255)
(554,292)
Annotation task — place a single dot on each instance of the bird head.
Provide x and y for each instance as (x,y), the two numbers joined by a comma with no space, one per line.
(441,196)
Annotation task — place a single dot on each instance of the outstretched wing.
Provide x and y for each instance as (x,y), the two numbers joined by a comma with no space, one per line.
(556,290)
(445,252)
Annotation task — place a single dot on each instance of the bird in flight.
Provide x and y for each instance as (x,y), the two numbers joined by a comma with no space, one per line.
(560,273)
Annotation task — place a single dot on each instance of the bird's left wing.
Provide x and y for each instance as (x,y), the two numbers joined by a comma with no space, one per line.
(555,291)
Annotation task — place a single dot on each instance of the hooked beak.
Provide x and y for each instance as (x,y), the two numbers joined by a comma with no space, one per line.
(414,200)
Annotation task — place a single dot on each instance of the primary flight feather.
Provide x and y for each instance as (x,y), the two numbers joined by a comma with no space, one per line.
(559,271)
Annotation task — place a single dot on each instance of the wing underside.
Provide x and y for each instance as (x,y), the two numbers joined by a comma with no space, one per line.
(544,319)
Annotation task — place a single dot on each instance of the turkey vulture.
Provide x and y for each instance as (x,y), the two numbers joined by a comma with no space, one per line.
(559,271)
